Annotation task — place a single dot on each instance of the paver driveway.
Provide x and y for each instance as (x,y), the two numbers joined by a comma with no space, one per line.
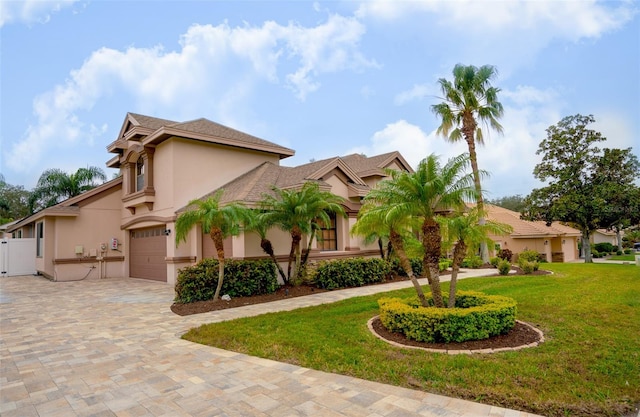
(112,348)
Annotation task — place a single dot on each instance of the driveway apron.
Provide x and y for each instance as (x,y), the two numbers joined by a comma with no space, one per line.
(112,348)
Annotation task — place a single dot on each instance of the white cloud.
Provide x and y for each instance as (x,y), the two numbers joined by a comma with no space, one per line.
(30,11)
(567,19)
(215,68)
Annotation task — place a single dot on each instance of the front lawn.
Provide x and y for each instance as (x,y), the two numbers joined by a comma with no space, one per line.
(589,364)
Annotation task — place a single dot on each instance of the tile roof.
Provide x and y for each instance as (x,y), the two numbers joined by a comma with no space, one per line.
(250,187)
(151,122)
(525,228)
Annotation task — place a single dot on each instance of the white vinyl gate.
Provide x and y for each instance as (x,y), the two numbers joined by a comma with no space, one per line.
(17,257)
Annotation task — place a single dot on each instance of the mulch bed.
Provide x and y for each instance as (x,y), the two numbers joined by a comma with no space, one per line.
(520,335)
(282,293)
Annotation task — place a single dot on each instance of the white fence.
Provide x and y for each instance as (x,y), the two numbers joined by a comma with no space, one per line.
(17,257)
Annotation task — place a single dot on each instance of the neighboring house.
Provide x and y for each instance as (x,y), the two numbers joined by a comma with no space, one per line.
(557,242)
(125,227)
(604,236)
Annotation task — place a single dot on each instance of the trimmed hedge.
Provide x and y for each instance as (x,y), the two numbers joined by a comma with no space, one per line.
(353,272)
(241,278)
(476,316)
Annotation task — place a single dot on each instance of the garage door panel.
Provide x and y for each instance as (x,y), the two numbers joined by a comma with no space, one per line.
(147,254)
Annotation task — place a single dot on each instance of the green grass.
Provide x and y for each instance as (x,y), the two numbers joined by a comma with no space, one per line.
(589,364)
(631,257)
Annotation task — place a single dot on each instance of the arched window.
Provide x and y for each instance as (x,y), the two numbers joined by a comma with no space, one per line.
(140,174)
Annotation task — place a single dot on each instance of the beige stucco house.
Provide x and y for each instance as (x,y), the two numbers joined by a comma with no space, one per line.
(557,242)
(125,227)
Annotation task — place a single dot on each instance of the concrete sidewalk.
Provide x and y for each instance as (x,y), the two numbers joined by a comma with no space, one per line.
(112,348)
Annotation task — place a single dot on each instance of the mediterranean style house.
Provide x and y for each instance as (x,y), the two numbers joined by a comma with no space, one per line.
(557,242)
(125,227)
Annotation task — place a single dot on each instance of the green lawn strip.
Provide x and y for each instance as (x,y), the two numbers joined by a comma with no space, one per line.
(630,257)
(589,365)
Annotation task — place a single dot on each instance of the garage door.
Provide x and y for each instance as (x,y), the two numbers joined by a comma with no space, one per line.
(147,254)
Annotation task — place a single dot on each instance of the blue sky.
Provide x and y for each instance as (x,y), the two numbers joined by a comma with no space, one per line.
(323,78)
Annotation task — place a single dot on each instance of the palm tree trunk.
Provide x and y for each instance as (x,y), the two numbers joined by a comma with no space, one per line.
(468,130)
(381,248)
(267,247)
(305,258)
(398,247)
(294,253)
(459,250)
(218,242)
(432,242)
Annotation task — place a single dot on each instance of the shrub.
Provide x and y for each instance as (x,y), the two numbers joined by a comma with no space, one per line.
(627,251)
(619,252)
(504,267)
(531,256)
(494,261)
(528,266)
(355,272)
(241,279)
(476,316)
(472,262)
(505,254)
(416,267)
(595,254)
(444,264)
(604,247)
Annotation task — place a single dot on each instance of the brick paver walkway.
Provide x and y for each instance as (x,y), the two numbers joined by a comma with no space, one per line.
(112,348)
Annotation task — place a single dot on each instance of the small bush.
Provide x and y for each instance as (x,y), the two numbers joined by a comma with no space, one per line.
(241,279)
(595,254)
(444,264)
(354,272)
(528,266)
(473,262)
(504,267)
(627,251)
(476,316)
(604,247)
(494,261)
(505,254)
(531,256)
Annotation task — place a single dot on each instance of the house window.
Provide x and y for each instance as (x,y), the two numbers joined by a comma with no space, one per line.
(39,238)
(328,235)
(140,174)
(17,234)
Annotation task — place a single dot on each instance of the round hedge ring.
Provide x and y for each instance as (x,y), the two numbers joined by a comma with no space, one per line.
(476,316)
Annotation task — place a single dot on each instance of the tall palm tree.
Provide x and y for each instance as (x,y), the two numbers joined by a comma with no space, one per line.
(253,223)
(468,100)
(218,221)
(299,212)
(429,191)
(463,231)
(55,185)
(372,229)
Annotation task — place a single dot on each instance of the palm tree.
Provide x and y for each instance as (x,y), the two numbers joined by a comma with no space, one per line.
(463,231)
(218,221)
(252,222)
(299,211)
(372,229)
(426,193)
(468,100)
(55,185)
(397,224)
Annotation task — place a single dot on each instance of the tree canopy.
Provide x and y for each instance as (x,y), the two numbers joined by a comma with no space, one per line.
(55,185)
(586,186)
